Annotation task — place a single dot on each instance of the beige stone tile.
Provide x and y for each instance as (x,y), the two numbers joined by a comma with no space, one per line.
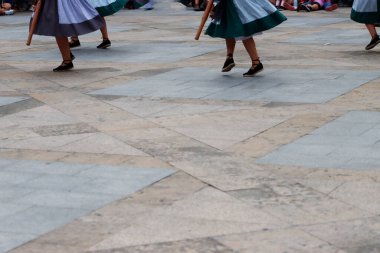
(318,210)
(146,162)
(284,240)
(90,158)
(110,126)
(17,134)
(167,229)
(40,116)
(100,143)
(50,143)
(211,204)
(364,195)
(347,234)
(209,245)
(167,191)
(224,172)
(28,154)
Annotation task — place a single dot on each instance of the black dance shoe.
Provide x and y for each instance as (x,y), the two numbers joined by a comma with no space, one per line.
(373,43)
(106,43)
(253,71)
(74,43)
(65,65)
(228,64)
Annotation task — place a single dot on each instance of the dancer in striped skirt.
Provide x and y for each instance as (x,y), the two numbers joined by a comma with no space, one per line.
(65,18)
(240,20)
(105,8)
(367,12)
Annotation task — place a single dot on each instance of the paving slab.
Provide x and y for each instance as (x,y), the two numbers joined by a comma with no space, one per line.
(333,36)
(350,141)
(290,85)
(127,53)
(41,196)
(10,100)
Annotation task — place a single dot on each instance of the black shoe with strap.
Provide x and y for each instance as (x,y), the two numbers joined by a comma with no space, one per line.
(74,43)
(256,68)
(65,65)
(228,64)
(105,43)
(373,43)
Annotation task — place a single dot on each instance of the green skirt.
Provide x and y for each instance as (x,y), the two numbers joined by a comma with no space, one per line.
(243,18)
(366,11)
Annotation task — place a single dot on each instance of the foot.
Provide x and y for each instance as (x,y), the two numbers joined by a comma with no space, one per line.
(72,56)
(331,7)
(65,65)
(228,64)
(289,7)
(256,68)
(373,43)
(305,7)
(74,43)
(105,43)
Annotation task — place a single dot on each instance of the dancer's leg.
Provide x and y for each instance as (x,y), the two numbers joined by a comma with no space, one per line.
(229,63)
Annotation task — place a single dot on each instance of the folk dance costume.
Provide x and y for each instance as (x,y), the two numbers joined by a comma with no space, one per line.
(104,8)
(108,7)
(240,20)
(64,18)
(367,12)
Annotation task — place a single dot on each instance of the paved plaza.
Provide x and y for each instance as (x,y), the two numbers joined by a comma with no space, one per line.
(147,147)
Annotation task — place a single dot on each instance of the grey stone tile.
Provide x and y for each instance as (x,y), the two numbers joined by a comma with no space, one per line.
(10,209)
(128,53)
(42,167)
(39,219)
(304,21)
(11,193)
(55,182)
(350,142)
(333,36)
(120,172)
(336,128)
(6,162)
(11,100)
(290,85)
(9,241)
(122,187)
(66,199)
(8,178)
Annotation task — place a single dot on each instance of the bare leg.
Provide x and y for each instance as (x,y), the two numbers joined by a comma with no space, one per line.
(372,30)
(314,7)
(230,44)
(229,63)
(250,46)
(257,66)
(74,38)
(63,45)
(104,30)
(196,4)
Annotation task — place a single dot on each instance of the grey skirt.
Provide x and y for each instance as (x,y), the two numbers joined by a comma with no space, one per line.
(65,18)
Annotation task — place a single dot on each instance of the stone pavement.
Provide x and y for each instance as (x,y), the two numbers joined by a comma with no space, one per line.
(148,147)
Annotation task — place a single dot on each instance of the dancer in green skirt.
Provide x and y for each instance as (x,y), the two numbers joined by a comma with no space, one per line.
(367,12)
(105,8)
(239,20)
